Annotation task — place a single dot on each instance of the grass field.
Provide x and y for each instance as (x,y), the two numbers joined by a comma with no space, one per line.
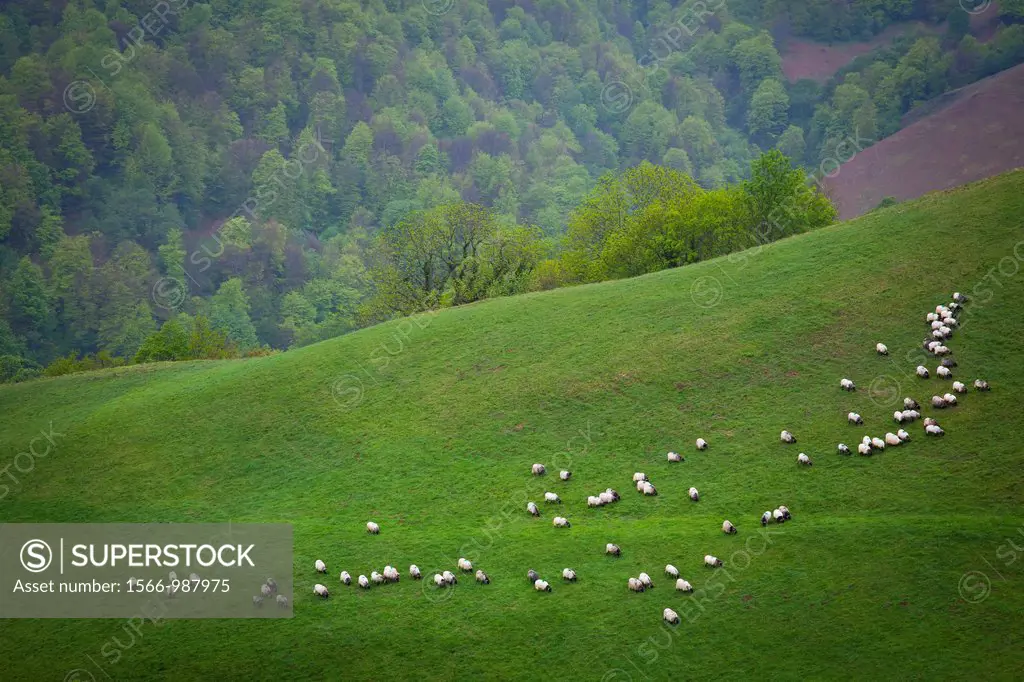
(430,428)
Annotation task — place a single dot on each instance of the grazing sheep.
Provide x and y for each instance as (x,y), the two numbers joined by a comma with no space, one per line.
(847,385)
(694,495)
(282,601)
(712,561)
(265,590)
(372,528)
(929,343)
(594,501)
(702,444)
(635,585)
(639,476)
(605,498)
(778,516)
(670,616)
(911,415)
(881,349)
(649,488)
(640,486)
(897,416)
(766,518)
(414,572)
(854,418)
(931,317)
(936,325)
(803,459)
(728,528)
(787,437)
(194,577)
(903,435)
(950,399)
(949,322)
(929,421)
(272,584)
(376,578)
(532,508)
(959,387)
(878,444)
(785,512)
(934,430)
(465,565)
(449,577)
(959,298)
(532,576)
(565,475)
(675,457)
(391,574)
(943,372)
(561,522)
(945,331)
(569,574)
(892,439)
(257,601)
(684,586)
(438,580)
(482,578)
(364,582)
(346,578)
(614,494)
(864,449)
(553,498)
(538,469)
(612,549)
(321,567)
(843,449)
(922,371)
(671,571)
(942,350)
(542,586)
(646,580)
(911,404)
(981,385)
(320,591)
(948,362)
(938,402)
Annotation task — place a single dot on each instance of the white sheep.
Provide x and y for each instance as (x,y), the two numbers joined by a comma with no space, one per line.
(943,372)
(449,577)
(712,561)
(910,404)
(981,385)
(936,324)
(911,415)
(613,493)
(605,498)
(787,437)
(785,512)
(959,387)
(561,522)
(694,495)
(649,488)
(938,402)
(897,416)
(282,601)
(321,567)
(376,578)
(542,586)
(702,444)
(942,350)
(372,528)
(847,385)
(843,449)
(670,616)
(934,430)
(949,322)
(639,476)
(929,421)
(613,550)
(465,565)
(391,574)
(565,475)
(892,439)
(532,508)
(878,444)
(803,459)
(593,501)
(671,571)
(320,591)
(553,498)
(922,371)
(346,577)
(854,418)
(438,580)
(364,582)
(766,518)
(482,578)
(265,590)
(945,331)
(881,349)
(640,486)
(635,585)
(414,571)
(864,449)
(950,399)
(778,516)
(257,600)
(684,586)
(646,580)
(538,469)
(675,457)
(903,435)
(866,440)
(569,574)
(728,528)
(938,335)
(931,317)
(959,298)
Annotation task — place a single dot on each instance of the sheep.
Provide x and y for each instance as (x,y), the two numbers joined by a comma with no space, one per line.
(847,385)
(465,565)
(594,501)
(438,580)
(778,516)
(897,416)
(702,444)
(376,578)
(639,476)
(569,574)
(942,350)
(320,591)
(937,324)
(561,522)
(934,430)
(671,571)
(649,488)
(938,402)
(321,567)
(265,590)
(881,349)
(552,498)
(282,601)
(949,322)
(959,298)
(482,578)
(272,584)
(938,335)
(766,518)
(414,572)
(372,528)
(391,574)
(565,475)
(613,493)
(694,495)
(605,498)
(929,343)
(892,439)
(712,561)
(542,586)
(787,437)
(981,385)
(194,577)
(929,421)
(911,404)
(911,415)
(922,371)
(864,449)
(803,459)
(613,550)
(948,362)
(640,486)
(670,616)
(878,444)
(635,585)
(532,576)
(950,399)
(538,470)
(854,418)
(903,435)
(959,387)
(674,457)
(173,576)
(646,580)
(945,331)
(866,440)
(728,528)
(364,582)
(843,449)
(684,586)
(943,372)
(257,601)
(785,512)
(531,507)
(449,578)
(931,317)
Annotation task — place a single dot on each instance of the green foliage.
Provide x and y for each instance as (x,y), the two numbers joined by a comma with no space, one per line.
(229,314)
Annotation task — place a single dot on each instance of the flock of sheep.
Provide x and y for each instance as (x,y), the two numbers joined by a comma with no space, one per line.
(942,323)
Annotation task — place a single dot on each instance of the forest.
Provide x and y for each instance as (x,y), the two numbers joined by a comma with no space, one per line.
(183,180)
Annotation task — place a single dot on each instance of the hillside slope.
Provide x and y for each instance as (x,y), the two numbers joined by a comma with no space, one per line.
(430,429)
(977,133)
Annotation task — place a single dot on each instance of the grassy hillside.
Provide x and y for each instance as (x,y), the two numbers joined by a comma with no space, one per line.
(431,428)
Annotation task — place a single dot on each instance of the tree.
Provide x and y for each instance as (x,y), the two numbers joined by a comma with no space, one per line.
(780,201)
(647,131)
(172,255)
(229,314)
(791,143)
(29,303)
(769,110)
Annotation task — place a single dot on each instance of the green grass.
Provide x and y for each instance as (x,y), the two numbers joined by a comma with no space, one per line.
(602,379)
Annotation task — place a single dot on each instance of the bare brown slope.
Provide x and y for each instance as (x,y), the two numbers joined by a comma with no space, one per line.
(979,133)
